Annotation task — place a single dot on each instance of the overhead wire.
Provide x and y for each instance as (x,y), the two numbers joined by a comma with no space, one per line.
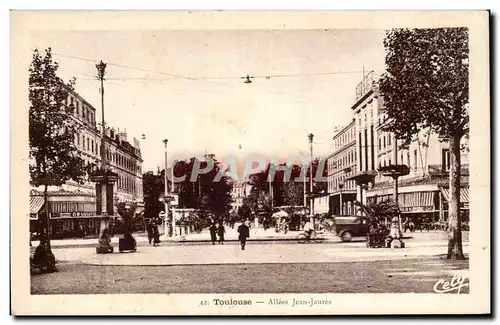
(139,69)
(178,76)
(208,79)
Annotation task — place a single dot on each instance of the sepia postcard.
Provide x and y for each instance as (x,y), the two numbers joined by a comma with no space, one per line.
(250,162)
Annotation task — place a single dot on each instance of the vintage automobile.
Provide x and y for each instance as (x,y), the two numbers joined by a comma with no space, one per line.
(347,227)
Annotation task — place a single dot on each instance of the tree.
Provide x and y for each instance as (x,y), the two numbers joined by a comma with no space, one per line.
(293,191)
(153,186)
(293,194)
(259,198)
(319,186)
(382,211)
(264,204)
(286,191)
(52,130)
(130,221)
(188,191)
(259,181)
(244,212)
(207,192)
(217,192)
(426,87)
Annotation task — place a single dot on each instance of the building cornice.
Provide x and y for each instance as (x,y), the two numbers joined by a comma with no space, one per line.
(345,147)
(344,129)
(363,98)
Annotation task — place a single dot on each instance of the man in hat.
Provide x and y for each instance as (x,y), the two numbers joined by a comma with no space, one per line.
(244,233)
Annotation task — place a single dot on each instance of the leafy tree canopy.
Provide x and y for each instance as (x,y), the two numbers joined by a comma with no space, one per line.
(426,84)
(52,127)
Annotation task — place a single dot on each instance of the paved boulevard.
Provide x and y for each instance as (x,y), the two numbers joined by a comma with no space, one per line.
(261,268)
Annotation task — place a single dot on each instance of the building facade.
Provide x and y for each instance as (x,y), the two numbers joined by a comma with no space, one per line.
(238,193)
(321,203)
(341,164)
(424,192)
(72,206)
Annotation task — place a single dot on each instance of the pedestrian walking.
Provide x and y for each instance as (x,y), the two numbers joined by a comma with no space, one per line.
(256,223)
(244,233)
(149,229)
(213,233)
(221,231)
(156,234)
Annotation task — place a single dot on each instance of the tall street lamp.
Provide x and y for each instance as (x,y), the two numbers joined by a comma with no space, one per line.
(101,70)
(271,193)
(304,187)
(104,179)
(166,196)
(311,137)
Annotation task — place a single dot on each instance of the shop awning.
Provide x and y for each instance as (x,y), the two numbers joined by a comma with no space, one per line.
(416,199)
(71,206)
(36,203)
(464,194)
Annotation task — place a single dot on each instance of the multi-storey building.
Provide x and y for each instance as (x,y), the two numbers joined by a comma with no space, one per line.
(72,206)
(422,193)
(238,193)
(340,165)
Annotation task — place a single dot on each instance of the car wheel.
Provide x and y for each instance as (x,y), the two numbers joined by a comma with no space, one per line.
(346,236)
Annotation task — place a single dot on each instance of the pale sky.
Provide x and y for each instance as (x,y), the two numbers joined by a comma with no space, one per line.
(196,99)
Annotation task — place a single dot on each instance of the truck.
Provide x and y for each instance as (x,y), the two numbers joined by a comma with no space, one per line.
(347,227)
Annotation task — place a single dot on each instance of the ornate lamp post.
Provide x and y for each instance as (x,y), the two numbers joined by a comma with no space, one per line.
(104,179)
(101,70)
(362,179)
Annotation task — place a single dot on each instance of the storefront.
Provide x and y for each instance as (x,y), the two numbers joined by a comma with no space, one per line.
(421,205)
(36,205)
(73,225)
(430,205)
(464,203)
(71,214)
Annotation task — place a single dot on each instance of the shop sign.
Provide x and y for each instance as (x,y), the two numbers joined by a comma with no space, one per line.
(70,214)
(417,209)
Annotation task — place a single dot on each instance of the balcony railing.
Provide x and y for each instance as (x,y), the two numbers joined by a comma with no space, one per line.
(439,170)
(365,85)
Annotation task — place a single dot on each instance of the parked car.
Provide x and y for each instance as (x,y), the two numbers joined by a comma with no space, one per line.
(347,227)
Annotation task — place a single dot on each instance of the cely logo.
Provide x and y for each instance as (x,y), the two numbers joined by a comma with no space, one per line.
(455,284)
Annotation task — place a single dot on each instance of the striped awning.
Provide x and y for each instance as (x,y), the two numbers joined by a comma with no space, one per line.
(464,194)
(416,199)
(71,206)
(36,203)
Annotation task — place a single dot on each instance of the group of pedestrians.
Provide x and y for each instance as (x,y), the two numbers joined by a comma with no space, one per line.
(153,232)
(217,229)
